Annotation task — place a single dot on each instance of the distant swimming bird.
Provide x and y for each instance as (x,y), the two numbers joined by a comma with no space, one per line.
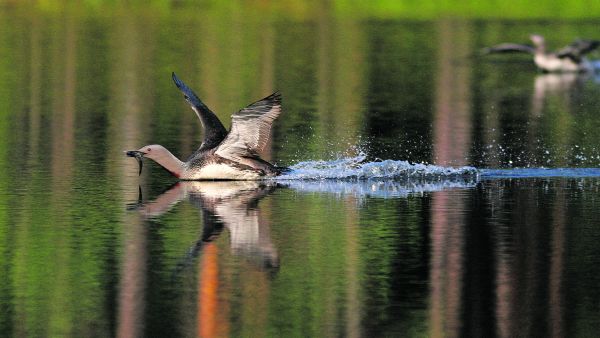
(223,155)
(568,59)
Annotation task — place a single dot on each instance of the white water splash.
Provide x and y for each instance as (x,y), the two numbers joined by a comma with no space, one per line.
(355,168)
(378,188)
(354,176)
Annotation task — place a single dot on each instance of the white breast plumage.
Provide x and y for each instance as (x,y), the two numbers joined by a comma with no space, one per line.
(555,64)
(219,171)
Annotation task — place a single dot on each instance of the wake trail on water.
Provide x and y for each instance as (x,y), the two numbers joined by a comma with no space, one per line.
(356,176)
(358,168)
(538,173)
(384,179)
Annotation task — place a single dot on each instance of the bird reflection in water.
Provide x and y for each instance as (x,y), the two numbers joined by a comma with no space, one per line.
(233,205)
(563,85)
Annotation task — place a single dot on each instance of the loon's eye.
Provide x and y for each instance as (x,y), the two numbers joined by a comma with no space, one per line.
(149,149)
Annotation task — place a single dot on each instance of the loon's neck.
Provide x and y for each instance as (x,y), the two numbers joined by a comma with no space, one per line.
(168,161)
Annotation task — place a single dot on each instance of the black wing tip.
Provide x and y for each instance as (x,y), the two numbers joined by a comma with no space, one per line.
(177,81)
(271,100)
(189,95)
(275,97)
(593,44)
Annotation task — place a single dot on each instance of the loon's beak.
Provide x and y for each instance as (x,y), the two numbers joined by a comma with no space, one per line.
(139,156)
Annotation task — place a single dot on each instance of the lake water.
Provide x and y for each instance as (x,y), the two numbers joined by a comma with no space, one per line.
(435,193)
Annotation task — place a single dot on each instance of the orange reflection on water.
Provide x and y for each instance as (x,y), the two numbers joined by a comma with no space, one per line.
(212,321)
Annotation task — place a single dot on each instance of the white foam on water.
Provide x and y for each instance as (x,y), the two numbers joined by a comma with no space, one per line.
(349,168)
(353,175)
(377,188)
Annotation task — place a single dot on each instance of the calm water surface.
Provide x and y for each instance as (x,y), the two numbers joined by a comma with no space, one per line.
(357,242)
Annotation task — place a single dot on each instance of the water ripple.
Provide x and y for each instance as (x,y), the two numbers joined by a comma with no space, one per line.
(539,172)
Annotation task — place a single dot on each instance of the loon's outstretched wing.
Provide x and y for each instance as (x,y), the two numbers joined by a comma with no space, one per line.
(509,48)
(214,132)
(578,49)
(250,129)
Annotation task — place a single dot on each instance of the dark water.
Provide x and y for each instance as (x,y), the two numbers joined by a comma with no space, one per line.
(379,231)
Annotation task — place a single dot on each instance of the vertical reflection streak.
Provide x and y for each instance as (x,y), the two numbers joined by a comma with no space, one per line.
(62,155)
(133,279)
(126,126)
(452,137)
(505,294)
(557,257)
(447,247)
(36,91)
(324,69)
(452,125)
(505,269)
(353,305)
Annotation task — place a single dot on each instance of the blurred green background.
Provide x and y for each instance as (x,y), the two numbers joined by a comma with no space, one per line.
(548,9)
(82,81)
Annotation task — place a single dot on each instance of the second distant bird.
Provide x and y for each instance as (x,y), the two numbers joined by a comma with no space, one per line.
(568,59)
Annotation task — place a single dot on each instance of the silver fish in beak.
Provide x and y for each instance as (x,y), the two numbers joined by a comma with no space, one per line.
(139,156)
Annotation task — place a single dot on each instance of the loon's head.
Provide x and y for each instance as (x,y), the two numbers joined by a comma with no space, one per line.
(158,154)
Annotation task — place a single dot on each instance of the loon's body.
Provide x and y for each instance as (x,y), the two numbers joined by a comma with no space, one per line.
(211,166)
(223,155)
(568,59)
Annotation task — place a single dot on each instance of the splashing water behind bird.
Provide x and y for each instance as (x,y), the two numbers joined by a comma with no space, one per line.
(357,167)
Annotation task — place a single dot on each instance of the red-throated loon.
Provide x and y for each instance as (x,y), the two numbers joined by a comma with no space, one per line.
(222,155)
(568,59)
